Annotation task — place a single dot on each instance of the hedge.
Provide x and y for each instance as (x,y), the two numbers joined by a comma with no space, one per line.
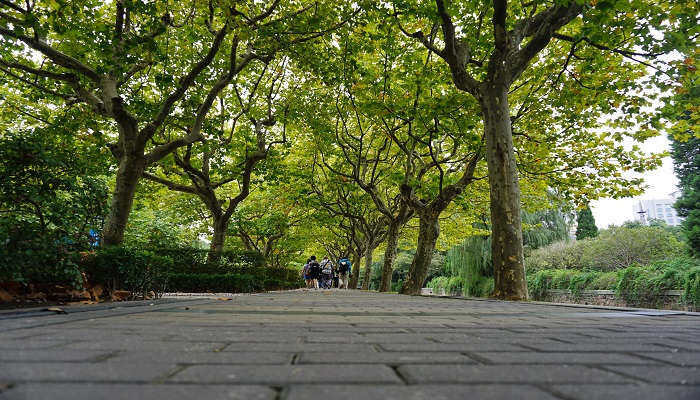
(142,271)
(637,285)
(457,286)
(613,249)
(187,270)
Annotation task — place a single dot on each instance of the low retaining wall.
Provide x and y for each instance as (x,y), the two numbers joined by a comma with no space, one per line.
(670,300)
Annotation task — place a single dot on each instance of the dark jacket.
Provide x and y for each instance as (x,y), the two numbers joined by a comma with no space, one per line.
(344,266)
(314,270)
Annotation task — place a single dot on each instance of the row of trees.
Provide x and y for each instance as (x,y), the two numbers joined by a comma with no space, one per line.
(299,126)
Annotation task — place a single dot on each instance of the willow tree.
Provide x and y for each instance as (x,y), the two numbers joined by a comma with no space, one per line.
(489,45)
(133,64)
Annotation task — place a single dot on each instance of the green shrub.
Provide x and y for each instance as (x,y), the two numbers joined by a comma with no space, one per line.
(136,270)
(645,285)
(397,286)
(184,269)
(438,284)
(580,282)
(559,255)
(542,281)
(620,247)
(613,249)
(603,281)
(455,286)
(229,283)
(539,284)
(691,293)
(484,288)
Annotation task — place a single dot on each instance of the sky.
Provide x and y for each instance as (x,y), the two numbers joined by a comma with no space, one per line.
(661,185)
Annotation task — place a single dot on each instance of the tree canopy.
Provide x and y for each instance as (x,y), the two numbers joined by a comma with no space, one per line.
(291,127)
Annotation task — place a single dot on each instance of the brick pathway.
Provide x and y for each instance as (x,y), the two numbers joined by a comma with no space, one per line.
(348,345)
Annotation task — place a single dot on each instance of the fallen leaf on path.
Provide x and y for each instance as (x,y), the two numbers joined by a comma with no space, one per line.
(224,298)
(57,310)
(119,295)
(5,386)
(82,302)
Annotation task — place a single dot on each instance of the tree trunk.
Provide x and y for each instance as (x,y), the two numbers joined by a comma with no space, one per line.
(392,239)
(368,267)
(355,273)
(130,170)
(218,239)
(428,232)
(506,231)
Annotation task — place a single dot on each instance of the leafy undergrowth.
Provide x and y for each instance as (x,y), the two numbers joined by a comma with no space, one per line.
(636,285)
(127,273)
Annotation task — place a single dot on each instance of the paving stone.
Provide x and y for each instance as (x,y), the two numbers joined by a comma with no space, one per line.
(634,392)
(506,374)
(562,358)
(596,347)
(392,358)
(200,357)
(661,374)
(453,347)
(288,374)
(298,347)
(146,345)
(91,391)
(31,344)
(74,372)
(416,392)
(677,358)
(443,348)
(39,355)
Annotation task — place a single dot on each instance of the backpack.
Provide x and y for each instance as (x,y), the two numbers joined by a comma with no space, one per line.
(314,269)
(327,268)
(344,266)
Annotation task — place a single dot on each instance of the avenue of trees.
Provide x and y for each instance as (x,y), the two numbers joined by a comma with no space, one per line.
(293,127)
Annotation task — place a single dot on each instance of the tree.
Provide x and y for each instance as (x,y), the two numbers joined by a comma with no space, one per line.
(408,142)
(681,113)
(488,67)
(273,224)
(117,61)
(53,188)
(686,159)
(344,201)
(226,146)
(585,224)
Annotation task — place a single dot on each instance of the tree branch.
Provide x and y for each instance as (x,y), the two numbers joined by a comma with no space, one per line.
(54,55)
(170,184)
(185,83)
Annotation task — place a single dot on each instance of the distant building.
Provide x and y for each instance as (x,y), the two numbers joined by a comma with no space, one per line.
(662,209)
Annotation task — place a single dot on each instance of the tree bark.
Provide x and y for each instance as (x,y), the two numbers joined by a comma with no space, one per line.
(428,232)
(506,230)
(355,273)
(130,170)
(218,239)
(368,267)
(392,240)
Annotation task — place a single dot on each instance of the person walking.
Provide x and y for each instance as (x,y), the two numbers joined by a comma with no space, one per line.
(314,271)
(326,273)
(306,274)
(336,283)
(344,270)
